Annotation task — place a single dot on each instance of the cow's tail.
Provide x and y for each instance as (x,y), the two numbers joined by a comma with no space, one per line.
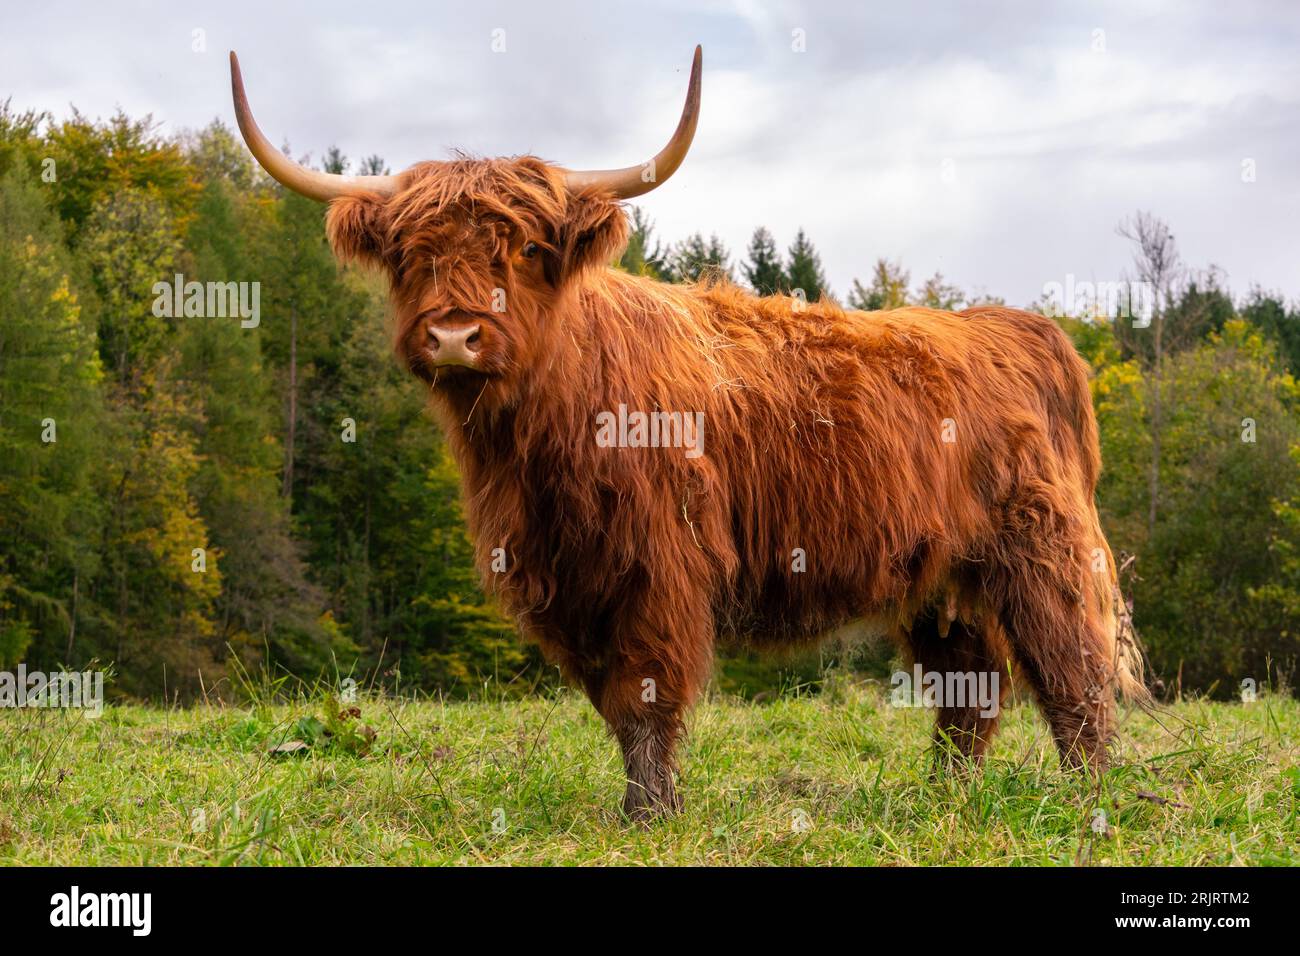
(1115,635)
(1116,622)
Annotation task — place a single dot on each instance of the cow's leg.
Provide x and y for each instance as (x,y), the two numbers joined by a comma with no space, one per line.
(1038,585)
(643,692)
(963,728)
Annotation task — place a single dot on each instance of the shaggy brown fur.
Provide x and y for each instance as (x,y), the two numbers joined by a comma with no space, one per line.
(937,469)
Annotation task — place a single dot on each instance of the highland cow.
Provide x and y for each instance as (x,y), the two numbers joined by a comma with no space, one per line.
(932,473)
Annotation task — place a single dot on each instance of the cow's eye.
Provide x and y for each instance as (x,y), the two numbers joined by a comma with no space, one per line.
(529,250)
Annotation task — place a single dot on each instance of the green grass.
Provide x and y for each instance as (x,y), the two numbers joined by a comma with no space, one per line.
(838,778)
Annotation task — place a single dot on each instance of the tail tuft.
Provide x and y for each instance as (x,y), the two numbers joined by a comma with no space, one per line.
(1121,636)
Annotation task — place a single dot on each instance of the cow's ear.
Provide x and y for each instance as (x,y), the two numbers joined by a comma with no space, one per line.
(594,231)
(354,225)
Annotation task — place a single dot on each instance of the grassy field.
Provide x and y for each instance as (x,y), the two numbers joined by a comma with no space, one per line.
(836,778)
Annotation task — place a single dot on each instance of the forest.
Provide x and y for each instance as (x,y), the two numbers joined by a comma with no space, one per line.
(189,501)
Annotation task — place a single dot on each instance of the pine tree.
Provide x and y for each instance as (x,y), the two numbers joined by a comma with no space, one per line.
(805,269)
(639,258)
(763,269)
(696,258)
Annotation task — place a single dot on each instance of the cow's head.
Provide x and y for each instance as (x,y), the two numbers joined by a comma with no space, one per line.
(478,252)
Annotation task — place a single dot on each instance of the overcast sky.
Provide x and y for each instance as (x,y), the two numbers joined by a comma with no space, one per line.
(1000,145)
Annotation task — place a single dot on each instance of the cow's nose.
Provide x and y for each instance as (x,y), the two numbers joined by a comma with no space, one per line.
(458,346)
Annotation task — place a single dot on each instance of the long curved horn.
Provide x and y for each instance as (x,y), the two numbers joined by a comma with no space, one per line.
(309,182)
(635,180)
